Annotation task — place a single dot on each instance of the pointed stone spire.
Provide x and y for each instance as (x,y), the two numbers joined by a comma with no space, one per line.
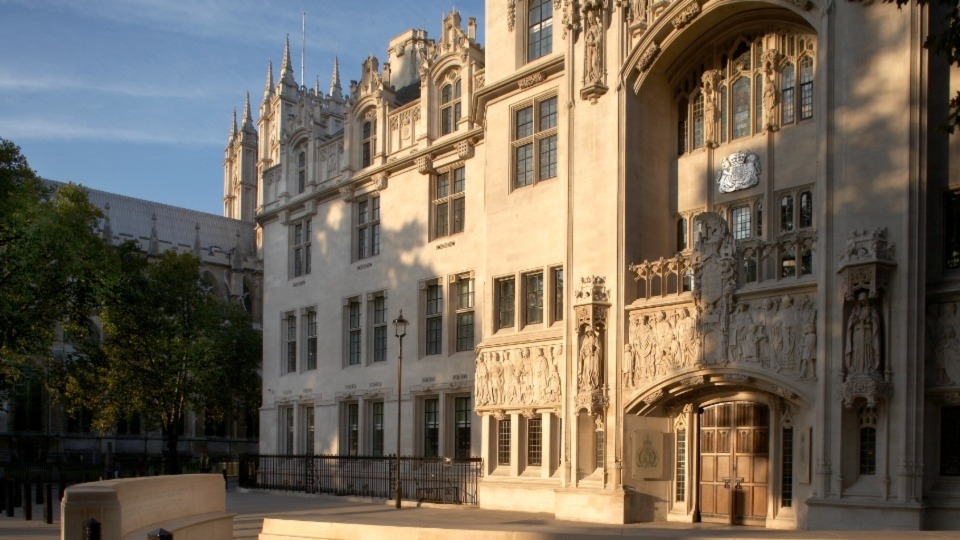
(336,91)
(154,248)
(233,128)
(247,118)
(316,87)
(196,242)
(107,229)
(268,91)
(286,70)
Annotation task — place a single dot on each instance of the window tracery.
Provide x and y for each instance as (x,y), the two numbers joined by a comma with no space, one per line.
(759,83)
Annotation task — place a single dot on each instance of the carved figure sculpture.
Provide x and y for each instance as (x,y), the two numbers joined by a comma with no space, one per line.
(666,342)
(480,382)
(808,341)
(589,376)
(541,375)
(688,338)
(786,327)
(765,316)
(948,357)
(862,347)
(742,343)
(710,107)
(646,350)
(554,384)
(739,170)
(593,50)
(495,374)
(771,99)
(629,367)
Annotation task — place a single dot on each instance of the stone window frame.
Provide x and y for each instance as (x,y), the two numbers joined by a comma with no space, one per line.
(352,331)
(350,428)
(450,109)
(367,226)
(445,193)
(301,236)
(424,315)
(539,133)
(310,338)
(462,310)
(376,430)
(377,321)
(540,25)
(288,323)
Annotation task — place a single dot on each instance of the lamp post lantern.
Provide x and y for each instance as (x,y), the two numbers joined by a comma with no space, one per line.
(400,328)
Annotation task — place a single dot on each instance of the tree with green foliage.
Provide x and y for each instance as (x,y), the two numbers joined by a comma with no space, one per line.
(51,264)
(168,343)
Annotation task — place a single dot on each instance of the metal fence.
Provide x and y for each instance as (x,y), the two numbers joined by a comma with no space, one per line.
(440,480)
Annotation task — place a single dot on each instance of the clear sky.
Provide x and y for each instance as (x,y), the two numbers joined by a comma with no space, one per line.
(136,96)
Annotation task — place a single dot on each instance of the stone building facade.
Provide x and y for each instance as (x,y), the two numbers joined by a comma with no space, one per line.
(663,261)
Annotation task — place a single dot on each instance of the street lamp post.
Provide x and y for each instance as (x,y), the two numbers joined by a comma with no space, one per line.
(400,327)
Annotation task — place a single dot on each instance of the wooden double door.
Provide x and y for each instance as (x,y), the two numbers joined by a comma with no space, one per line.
(734,463)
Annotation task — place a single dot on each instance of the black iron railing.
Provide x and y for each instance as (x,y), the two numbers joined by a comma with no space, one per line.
(442,480)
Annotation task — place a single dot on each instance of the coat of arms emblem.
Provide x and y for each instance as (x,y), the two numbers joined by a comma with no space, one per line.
(739,170)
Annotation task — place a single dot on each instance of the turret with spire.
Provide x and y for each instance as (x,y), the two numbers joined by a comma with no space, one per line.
(287,80)
(268,91)
(336,92)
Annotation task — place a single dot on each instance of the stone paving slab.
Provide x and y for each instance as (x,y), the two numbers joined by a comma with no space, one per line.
(348,518)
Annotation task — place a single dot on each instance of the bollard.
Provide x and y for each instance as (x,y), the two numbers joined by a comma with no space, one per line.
(9,498)
(91,530)
(27,502)
(160,534)
(48,503)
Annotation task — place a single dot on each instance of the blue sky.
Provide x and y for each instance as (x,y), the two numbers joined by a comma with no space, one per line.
(136,96)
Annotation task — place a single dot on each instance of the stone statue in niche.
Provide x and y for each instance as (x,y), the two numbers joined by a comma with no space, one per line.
(630,366)
(771,94)
(710,80)
(862,353)
(739,170)
(495,375)
(593,49)
(766,314)
(943,345)
(556,354)
(590,354)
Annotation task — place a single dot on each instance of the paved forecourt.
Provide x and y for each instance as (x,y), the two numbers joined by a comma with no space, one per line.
(343,518)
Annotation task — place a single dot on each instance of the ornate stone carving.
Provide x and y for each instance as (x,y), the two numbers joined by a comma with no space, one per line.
(511,14)
(522,377)
(594,70)
(653,397)
(347,194)
(771,94)
(380,181)
(871,387)
(739,170)
(425,165)
(593,288)
(735,378)
(464,149)
(714,279)
(710,80)
(943,346)
(593,402)
(647,58)
(500,415)
(685,16)
(530,80)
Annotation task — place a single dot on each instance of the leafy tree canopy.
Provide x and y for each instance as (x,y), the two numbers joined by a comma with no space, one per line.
(50,262)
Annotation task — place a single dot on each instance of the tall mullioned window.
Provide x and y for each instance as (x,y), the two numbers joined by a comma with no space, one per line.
(681,464)
(311,340)
(354,332)
(533,285)
(465,301)
(434,333)
(300,244)
(449,107)
(431,427)
(534,442)
(379,328)
(951,230)
(376,428)
(558,294)
(368,143)
(535,142)
(506,294)
(301,172)
(461,434)
(503,442)
(352,429)
(868,440)
(786,463)
(539,29)
(291,344)
(368,227)
(449,203)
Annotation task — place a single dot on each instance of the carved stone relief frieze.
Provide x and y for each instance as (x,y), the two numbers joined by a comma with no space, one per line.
(686,16)
(943,346)
(521,377)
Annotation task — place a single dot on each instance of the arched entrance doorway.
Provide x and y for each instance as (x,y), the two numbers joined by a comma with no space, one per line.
(734,462)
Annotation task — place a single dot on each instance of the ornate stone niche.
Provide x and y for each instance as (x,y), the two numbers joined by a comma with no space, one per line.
(866,266)
(591,311)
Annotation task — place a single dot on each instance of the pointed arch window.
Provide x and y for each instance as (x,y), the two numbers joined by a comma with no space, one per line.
(741,107)
(788,84)
(786,213)
(683,126)
(698,121)
(368,142)
(450,107)
(301,171)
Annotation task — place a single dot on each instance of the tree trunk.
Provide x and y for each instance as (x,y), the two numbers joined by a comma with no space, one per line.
(173,437)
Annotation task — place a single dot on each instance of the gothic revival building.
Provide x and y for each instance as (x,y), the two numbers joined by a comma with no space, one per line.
(683,261)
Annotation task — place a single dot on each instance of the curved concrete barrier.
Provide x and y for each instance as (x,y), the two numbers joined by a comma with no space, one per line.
(191,506)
